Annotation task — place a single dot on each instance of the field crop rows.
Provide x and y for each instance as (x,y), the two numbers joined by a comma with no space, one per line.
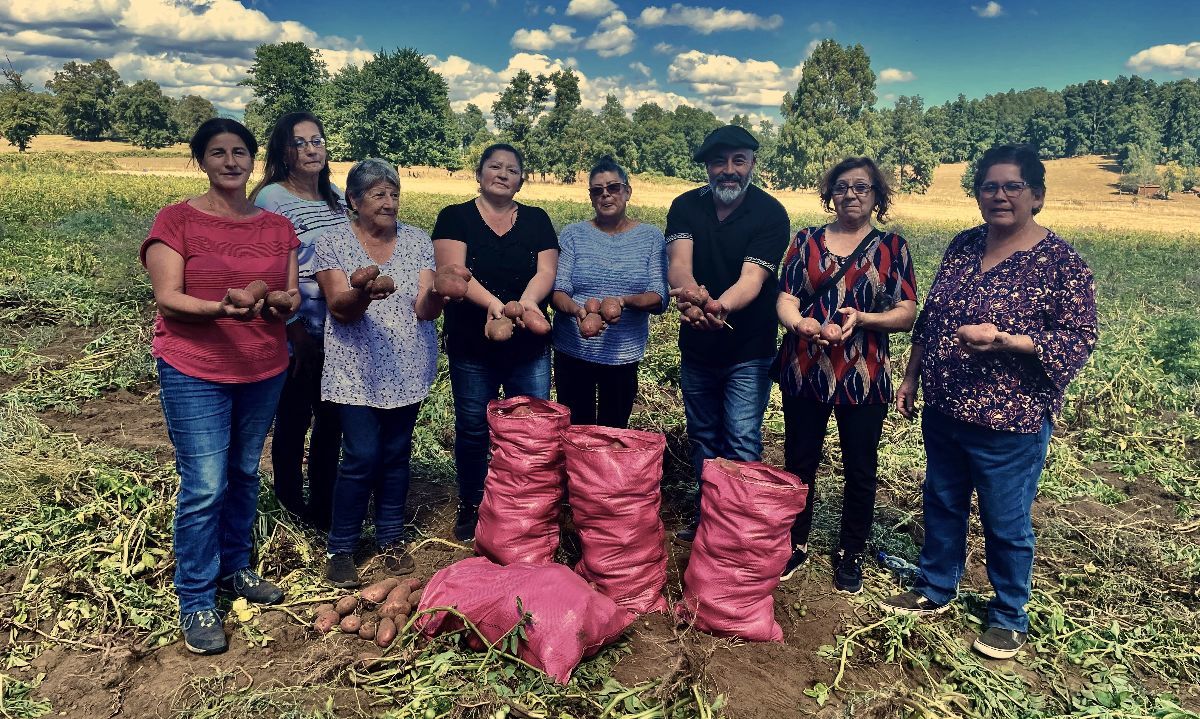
(85,561)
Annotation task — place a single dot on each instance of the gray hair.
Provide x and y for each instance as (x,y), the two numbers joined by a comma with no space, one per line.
(608,164)
(366,174)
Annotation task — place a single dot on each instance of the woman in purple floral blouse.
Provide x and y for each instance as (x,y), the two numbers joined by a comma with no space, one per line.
(1009,321)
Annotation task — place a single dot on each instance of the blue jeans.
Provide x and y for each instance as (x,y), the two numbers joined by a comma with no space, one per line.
(376,454)
(724,407)
(218,430)
(475,383)
(1003,467)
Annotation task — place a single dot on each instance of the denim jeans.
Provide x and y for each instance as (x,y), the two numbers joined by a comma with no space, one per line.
(218,430)
(299,406)
(476,382)
(376,456)
(1003,467)
(724,407)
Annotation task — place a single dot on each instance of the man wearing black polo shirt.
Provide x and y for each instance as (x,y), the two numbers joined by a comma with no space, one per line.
(729,237)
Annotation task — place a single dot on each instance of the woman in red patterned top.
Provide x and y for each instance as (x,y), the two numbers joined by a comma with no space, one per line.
(843,288)
(221,366)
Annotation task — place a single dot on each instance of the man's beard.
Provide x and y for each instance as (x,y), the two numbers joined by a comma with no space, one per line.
(729,196)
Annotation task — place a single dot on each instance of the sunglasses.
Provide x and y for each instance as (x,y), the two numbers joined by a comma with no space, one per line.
(612,188)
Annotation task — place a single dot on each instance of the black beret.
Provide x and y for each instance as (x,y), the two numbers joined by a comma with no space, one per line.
(728,136)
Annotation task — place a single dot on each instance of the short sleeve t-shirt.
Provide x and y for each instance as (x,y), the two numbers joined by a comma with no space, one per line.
(857,371)
(757,231)
(311,219)
(219,253)
(502,264)
(387,358)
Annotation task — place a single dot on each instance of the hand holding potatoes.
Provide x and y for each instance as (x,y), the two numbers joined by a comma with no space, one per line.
(282,305)
(806,328)
(979,338)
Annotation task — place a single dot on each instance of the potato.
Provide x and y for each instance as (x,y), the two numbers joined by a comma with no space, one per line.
(259,289)
(522,411)
(346,604)
(729,466)
(415,599)
(712,307)
(322,608)
(808,327)
(350,624)
(610,309)
(499,329)
(367,631)
(832,333)
(385,633)
(474,643)
(449,281)
(413,583)
(240,298)
(591,325)
(383,283)
(363,275)
(592,306)
(694,313)
(983,334)
(513,310)
(402,590)
(393,609)
(326,621)
(696,295)
(377,592)
(281,301)
(536,322)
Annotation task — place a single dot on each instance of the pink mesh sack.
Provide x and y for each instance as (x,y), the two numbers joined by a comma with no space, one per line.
(613,480)
(741,547)
(518,519)
(568,620)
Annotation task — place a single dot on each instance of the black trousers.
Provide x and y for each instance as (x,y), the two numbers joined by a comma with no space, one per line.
(859,430)
(300,406)
(595,393)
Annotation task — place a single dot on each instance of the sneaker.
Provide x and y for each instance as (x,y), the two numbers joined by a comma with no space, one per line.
(341,571)
(848,575)
(464,523)
(799,557)
(396,560)
(203,632)
(913,604)
(1000,643)
(687,535)
(246,583)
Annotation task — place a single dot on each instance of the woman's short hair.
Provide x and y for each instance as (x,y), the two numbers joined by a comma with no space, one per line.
(1024,157)
(883,190)
(493,149)
(607,164)
(216,126)
(366,174)
(279,146)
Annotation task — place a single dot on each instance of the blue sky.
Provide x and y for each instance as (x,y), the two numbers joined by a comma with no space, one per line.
(728,57)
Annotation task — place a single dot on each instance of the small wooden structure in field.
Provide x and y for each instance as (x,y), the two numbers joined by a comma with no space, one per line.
(1149,190)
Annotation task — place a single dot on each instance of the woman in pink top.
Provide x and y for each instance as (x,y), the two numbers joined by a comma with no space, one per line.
(221,367)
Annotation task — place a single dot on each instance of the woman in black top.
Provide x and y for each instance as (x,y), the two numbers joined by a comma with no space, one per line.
(512,252)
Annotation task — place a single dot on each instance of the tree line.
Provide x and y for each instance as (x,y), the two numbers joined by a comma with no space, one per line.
(397,107)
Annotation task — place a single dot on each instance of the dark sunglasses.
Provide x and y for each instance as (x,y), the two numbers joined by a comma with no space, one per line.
(612,188)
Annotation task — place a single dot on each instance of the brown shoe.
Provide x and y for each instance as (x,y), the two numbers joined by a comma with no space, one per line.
(396,560)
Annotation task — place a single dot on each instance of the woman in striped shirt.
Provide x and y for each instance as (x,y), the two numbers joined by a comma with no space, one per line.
(610,256)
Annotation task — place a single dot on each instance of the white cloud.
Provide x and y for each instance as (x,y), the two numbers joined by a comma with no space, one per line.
(613,37)
(590,8)
(539,40)
(824,28)
(706,20)
(727,81)
(640,67)
(992,9)
(666,48)
(812,45)
(550,10)
(1176,58)
(891,74)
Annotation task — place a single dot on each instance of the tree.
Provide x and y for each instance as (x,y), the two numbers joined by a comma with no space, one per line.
(615,136)
(909,150)
(1140,139)
(836,82)
(559,147)
(23,112)
(85,96)
(285,77)
(519,106)
(397,108)
(189,113)
(142,114)
(471,124)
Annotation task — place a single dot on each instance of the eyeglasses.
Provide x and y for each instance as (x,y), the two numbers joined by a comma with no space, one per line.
(316,142)
(1011,189)
(860,188)
(612,188)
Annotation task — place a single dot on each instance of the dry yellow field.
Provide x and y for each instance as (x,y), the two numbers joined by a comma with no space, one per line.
(1081,192)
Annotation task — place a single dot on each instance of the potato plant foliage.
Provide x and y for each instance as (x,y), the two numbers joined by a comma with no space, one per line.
(86,528)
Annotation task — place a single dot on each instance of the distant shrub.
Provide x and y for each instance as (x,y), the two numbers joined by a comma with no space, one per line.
(1176,343)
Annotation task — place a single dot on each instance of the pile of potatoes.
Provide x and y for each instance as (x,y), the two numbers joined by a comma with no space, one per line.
(701,303)
(257,291)
(377,613)
(500,329)
(600,313)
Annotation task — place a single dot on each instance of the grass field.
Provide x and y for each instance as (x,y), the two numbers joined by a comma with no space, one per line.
(88,614)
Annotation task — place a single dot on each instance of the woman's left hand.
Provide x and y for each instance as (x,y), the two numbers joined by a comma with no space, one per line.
(851,318)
